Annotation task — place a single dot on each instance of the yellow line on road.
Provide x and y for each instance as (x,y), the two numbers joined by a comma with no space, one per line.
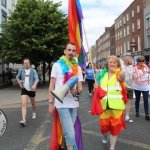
(129,142)
(38,136)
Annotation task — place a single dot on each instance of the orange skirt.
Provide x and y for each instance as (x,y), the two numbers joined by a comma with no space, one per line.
(113,121)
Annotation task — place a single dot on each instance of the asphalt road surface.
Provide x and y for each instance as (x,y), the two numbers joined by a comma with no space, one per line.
(36,134)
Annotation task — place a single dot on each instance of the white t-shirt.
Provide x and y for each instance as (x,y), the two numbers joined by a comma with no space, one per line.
(68,101)
(128,71)
(26,81)
(141,86)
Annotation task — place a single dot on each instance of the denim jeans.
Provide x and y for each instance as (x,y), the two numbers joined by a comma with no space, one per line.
(137,100)
(68,117)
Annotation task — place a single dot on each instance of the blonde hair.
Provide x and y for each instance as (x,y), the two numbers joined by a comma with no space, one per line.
(140,58)
(115,58)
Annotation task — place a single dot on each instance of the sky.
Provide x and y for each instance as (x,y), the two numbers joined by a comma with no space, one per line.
(97,14)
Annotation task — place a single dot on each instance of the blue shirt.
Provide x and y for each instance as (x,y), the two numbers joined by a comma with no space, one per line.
(89,73)
(32,77)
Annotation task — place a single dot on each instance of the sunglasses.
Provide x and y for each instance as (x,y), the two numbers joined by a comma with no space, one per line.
(141,61)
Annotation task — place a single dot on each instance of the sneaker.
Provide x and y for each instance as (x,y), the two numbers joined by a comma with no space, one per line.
(33,115)
(129,120)
(23,122)
(105,138)
(137,114)
(90,94)
(147,118)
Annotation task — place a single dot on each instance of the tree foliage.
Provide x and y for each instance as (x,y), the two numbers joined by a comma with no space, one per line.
(37,29)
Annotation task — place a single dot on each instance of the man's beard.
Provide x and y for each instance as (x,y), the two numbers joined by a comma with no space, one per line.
(129,63)
(71,57)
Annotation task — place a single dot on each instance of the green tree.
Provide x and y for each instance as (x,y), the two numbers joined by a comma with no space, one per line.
(37,29)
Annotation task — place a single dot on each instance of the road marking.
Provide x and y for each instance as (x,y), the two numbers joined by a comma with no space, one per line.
(38,136)
(89,122)
(129,142)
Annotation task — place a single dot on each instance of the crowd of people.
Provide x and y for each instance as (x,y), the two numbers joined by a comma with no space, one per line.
(119,80)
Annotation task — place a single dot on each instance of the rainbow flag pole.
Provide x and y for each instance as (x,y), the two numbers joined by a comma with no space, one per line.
(75,17)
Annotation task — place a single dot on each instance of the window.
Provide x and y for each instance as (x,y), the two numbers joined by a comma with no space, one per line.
(124,20)
(3,3)
(148,23)
(4,16)
(115,26)
(127,30)
(124,32)
(138,23)
(124,47)
(120,34)
(127,17)
(133,47)
(118,50)
(132,27)
(128,45)
(132,13)
(13,3)
(138,9)
(121,49)
(120,23)
(139,43)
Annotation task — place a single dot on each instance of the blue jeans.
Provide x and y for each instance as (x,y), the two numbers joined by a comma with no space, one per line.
(68,117)
(137,100)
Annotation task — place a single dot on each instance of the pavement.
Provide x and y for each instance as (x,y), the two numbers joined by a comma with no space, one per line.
(12,95)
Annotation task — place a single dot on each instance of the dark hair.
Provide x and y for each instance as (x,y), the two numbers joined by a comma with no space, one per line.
(88,65)
(72,43)
(26,59)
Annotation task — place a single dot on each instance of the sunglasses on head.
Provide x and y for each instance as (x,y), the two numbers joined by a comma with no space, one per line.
(141,61)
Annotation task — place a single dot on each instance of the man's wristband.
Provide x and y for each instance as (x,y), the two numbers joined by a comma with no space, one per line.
(50,102)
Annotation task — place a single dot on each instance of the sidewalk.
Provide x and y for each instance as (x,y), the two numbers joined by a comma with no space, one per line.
(12,95)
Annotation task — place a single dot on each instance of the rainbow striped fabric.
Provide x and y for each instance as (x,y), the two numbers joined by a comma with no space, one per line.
(75,17)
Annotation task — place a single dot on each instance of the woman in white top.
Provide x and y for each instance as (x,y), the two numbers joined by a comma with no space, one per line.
(141,85)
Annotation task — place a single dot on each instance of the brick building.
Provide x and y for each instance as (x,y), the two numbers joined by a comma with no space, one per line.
(129,28)
(103,46)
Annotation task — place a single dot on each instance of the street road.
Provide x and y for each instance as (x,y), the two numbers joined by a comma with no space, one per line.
(36,134)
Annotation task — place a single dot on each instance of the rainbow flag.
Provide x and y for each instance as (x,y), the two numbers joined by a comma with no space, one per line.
(75,17)
(103,56)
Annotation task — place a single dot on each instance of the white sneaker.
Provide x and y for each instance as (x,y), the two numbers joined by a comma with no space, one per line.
(33,115)
(105,138)
(127,119)
(90,94)
(23,122)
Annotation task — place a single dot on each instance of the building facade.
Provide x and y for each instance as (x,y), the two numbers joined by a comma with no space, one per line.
(129,28)
(146,51)
(6,6)
(103,47)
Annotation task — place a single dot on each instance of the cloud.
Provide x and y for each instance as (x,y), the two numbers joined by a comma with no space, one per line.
(98,14)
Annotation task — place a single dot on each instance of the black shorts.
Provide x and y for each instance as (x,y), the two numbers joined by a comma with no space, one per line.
(26,92)
(130,93)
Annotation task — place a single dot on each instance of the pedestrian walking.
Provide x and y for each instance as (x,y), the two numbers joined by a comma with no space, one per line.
(89,77)
(111,80)
(27,79)
(128,71)
(62,71)
(141,85)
